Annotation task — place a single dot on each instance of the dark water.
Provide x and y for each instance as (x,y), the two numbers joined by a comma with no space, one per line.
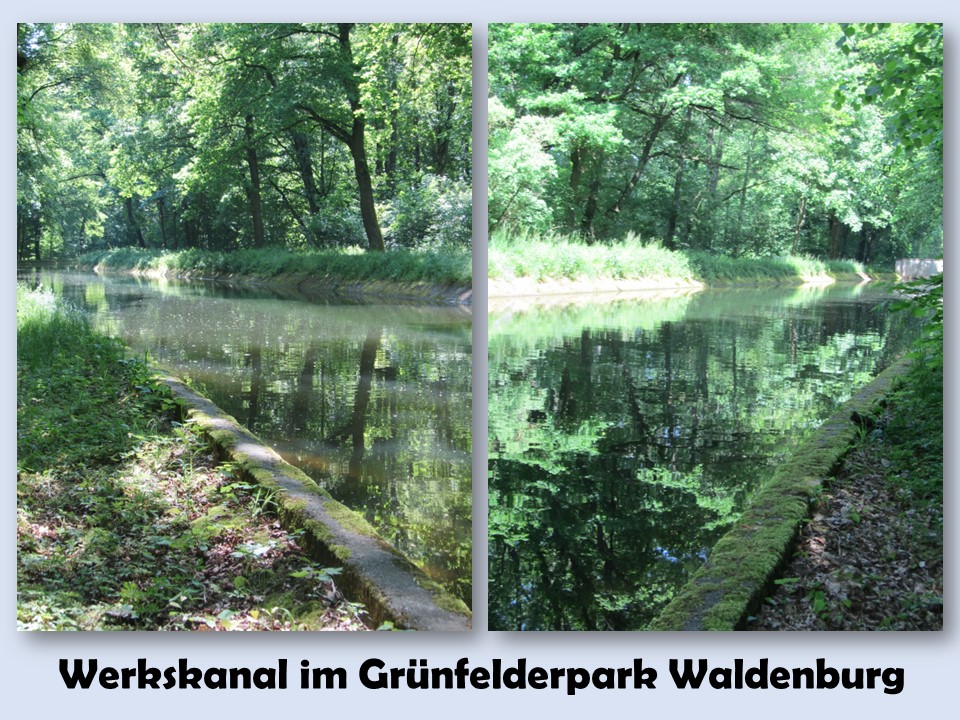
(372,401)
(625,439)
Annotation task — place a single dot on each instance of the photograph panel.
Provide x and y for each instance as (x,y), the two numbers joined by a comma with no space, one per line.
(244,326)
(695,348)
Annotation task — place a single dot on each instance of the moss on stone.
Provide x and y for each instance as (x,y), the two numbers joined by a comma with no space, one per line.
(323,534)
(350,519)
(746,560)
(443,599)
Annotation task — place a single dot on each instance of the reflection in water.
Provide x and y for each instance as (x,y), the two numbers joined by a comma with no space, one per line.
(372,402)
(625,439)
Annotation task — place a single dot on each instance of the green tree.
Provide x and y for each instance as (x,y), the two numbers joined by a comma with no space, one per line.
(223,136)
(719,138)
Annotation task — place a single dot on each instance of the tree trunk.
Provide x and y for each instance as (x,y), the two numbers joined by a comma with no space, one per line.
(303,156)
(678,183)
(743,193)
(176,228)
(705,239)
(163,221)
(863,254)
(354,140)
(189,226)
(801,214)
(590,208)
(133,223)
(837,234)
(323,163)
(642,161)
(576,172)
(368,208)
(253,193)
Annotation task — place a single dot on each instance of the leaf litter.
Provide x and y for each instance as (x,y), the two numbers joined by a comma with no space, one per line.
(870,558)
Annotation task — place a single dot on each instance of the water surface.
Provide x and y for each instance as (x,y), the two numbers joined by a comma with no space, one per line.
(371,400)
(626,438)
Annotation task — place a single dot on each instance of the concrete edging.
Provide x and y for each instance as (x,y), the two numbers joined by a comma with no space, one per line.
(389,585)
(746,560)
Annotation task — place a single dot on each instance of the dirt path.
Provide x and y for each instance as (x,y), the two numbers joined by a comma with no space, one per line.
(868,560)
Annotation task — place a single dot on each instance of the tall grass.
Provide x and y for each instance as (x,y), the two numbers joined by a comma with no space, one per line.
(558,256)
(444,265)
(551,256)
(48,331)
(78,396)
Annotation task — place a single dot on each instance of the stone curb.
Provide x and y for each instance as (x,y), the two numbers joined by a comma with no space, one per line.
(374,573)
(746,560)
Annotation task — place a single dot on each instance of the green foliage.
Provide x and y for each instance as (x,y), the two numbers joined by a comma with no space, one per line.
(723,139)
(431,213)
(449,264)
(925,301)
(902,70)
(123,519)
(227,136)
(915,428)
(553,257)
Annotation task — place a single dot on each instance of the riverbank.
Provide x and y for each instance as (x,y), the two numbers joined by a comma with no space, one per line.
(427,275)
(744,563)
(871,557)
(556,266)
(125,518)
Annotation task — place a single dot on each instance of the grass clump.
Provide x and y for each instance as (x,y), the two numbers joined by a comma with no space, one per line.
(544,257)
(441,265)
(125,520)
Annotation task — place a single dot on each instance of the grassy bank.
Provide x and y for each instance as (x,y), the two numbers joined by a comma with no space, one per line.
(545,258)
(443,267)
(125,520)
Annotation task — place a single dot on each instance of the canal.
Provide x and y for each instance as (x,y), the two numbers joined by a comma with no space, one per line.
(625,438)
(372,400)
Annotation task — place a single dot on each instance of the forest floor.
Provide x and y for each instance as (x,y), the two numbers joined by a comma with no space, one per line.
(871,558)
(125,519)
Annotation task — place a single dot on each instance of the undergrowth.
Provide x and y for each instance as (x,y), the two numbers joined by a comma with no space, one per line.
(871,558)
(443,264)
(545,257)
(125,520)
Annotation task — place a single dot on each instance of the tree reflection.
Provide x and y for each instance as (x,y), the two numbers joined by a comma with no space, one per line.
(374,403)
(622,449)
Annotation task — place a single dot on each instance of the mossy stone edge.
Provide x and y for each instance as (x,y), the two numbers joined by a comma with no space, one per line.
(744,563)
(391,588)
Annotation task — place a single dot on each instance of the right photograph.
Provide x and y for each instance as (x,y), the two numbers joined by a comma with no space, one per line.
(715,326)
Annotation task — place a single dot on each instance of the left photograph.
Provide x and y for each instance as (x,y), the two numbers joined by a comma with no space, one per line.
(244,326)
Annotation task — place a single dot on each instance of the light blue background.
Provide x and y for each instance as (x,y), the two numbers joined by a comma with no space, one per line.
(30,679)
